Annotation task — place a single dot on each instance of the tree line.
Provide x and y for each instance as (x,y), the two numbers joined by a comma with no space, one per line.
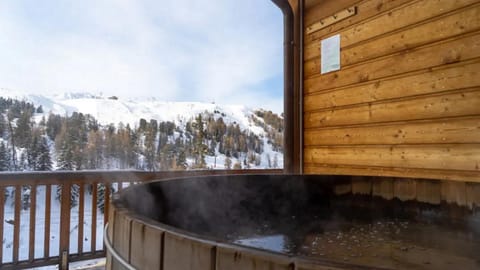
(79,142)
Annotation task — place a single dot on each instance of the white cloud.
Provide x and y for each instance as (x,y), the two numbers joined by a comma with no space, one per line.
(223,50)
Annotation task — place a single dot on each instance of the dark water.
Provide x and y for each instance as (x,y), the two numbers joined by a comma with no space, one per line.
(426,240)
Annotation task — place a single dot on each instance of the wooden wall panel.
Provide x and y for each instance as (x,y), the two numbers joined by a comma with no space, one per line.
(434,80)
(464,130)
(406,101)
(465,21)
(447,156)
(444,53)
(464,102)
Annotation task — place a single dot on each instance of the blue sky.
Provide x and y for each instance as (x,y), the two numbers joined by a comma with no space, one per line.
(224,51)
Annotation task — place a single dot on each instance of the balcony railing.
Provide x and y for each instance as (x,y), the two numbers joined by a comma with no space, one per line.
(32,220)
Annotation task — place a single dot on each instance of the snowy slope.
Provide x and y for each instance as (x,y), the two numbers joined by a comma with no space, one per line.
(113,111)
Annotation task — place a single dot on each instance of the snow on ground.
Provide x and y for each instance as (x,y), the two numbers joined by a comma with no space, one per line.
(54,229)
(82,265)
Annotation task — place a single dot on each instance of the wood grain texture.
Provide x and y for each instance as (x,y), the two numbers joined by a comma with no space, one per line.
(335,18)
(406,15)
(33,208)
(429,192)
(335,169)
(122,239)
(185,254)
(405,190)
(2,217)
(317,9)
(146,247)
(460,103)
(16,223)
(406,102)
(464,130)
(443,53)
(429,81)
(383,188)
(454,193)
(442,157)
(361,186)
(365,10)
(231,259)
(46,235)
(453,24)
(473,195)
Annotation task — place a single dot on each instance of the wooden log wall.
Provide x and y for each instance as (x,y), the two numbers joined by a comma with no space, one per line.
(406,101)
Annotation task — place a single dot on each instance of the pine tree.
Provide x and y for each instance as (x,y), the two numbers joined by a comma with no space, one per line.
(65,157)
(23,131)
(3,125)
(199,147)
(4,158)
(150,151)
(64,147)
(94,153)
(44,162)
(54,125)
(33,152)
(23,164)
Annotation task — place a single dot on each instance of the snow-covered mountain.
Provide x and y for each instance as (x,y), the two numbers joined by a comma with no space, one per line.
(113,110)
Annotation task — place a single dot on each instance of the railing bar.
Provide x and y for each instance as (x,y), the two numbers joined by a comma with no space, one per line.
(81,213)
(2,217)
(46,238)
(107,203)
(33,206)
(16,223)
(106,206)
(93,232)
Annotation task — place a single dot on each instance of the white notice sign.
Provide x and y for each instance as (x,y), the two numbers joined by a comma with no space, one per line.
(330,54)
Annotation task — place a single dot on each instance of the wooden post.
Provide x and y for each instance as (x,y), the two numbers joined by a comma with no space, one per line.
(46,237)
(81,212)
(2,214)
(16,222)
(33,206)
(65,225)
(93,232)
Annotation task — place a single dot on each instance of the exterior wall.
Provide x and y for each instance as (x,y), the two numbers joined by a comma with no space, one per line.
(406,101)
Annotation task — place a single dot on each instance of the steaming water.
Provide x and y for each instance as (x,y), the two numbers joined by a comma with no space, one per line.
(382,242)
(301,216)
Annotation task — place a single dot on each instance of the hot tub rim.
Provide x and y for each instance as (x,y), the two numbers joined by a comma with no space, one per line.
(269,255)
(215,242)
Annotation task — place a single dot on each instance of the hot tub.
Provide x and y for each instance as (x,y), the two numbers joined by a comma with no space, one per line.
(296,222)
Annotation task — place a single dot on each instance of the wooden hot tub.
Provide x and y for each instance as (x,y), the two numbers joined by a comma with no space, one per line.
(296,222)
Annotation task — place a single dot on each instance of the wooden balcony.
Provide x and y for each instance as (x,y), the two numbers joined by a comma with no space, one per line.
(42,187)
